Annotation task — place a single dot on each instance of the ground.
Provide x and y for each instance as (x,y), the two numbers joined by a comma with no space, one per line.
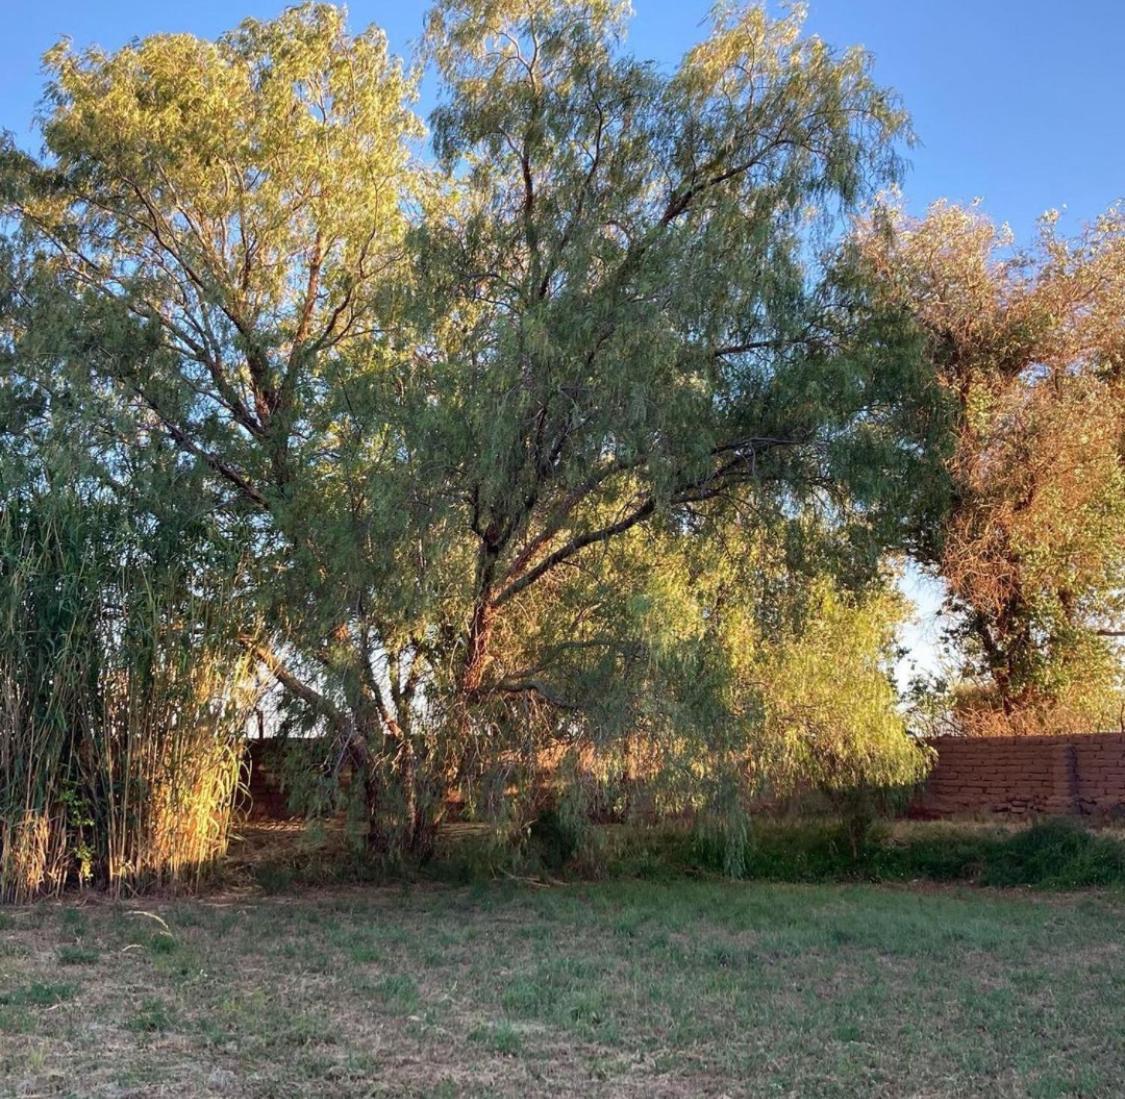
(614,989)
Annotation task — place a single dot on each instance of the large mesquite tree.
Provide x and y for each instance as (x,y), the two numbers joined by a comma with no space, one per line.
(633,327)
(440,400)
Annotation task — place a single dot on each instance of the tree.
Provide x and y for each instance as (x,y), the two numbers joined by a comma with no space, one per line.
(226,218)
(435,401)
(1030,348)
(630,319)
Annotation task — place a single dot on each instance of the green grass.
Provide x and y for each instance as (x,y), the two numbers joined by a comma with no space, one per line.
(607,989)
(77,955)
(152,1017)
(36,994)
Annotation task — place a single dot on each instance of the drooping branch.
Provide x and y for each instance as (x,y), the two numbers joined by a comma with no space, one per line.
(537,687)
(299,688)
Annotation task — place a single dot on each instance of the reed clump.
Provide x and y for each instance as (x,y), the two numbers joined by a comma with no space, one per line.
(124,697)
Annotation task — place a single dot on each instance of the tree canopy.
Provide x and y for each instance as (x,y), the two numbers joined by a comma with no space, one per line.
(1030,347)
(584,433)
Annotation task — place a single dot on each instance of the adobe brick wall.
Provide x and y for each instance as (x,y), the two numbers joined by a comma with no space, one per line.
(1080,775)
(265,799)
(1014,776)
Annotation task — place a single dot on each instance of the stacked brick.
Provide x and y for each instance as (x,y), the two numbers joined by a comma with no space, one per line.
(265,799)
(1079,775)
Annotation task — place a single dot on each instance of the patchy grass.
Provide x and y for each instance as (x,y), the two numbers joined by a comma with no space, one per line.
(613,989)
(77,955)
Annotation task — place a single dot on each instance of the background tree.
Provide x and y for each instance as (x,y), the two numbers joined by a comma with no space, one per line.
(1029,347)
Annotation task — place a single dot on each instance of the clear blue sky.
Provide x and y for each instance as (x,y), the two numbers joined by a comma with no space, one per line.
(1019,102)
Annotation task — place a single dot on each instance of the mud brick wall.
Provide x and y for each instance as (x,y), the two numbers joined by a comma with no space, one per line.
(264,798)
(1079,775)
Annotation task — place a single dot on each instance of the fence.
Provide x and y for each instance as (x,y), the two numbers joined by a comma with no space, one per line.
(1078,775)
(1016,776)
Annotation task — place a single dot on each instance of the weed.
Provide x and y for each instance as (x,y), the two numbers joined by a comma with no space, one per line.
(74,922)
(153,1017)
(77,955)
(500,1037)
(399,992)
(275,877)
(162,943)
(37,995)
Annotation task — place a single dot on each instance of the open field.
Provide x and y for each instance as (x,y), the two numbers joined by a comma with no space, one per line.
(684,988)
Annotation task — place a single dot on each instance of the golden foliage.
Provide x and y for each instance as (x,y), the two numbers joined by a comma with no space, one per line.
(1031,348)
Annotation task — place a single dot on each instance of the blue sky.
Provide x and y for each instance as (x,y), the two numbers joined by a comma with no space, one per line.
(1018,102)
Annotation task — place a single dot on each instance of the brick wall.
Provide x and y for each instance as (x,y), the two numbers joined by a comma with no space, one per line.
(1019,775)
(265,799)
(972,776)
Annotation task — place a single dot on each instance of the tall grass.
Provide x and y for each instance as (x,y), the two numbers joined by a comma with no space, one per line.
(123,700)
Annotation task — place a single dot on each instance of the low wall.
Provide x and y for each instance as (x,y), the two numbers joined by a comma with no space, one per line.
(265,799)
(973,776)
(1078,775)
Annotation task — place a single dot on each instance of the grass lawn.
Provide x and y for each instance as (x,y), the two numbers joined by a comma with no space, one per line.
(626,988)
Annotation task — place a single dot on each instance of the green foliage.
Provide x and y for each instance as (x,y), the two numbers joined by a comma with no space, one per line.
(554,838)
(556,455)
(809,847)
(830,703)
(1057,853)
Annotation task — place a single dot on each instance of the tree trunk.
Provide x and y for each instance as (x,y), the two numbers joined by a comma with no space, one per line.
(376,838)
(476,656)
(364,755)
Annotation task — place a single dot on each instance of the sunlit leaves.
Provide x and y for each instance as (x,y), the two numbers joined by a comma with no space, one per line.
(1029,346)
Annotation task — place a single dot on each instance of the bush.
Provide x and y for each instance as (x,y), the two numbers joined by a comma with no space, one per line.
(1057,854)
(1052,854)
(554,837)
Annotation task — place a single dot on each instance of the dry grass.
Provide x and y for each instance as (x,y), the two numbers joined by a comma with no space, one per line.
(617,989)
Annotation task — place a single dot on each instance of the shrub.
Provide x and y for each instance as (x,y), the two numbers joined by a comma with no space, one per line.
(1059,854)
(1051,854)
